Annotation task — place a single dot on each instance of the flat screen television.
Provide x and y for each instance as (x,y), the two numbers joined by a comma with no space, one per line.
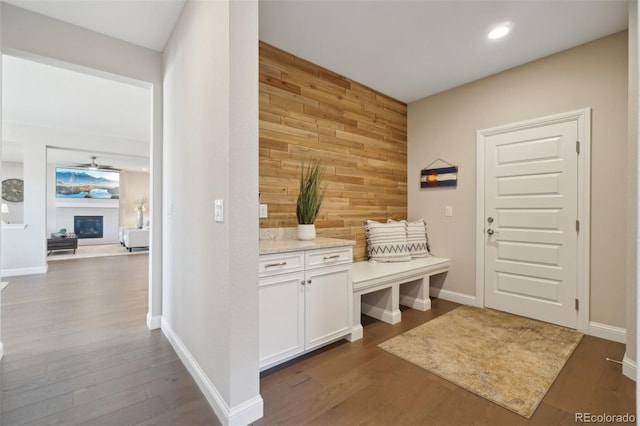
(84,183)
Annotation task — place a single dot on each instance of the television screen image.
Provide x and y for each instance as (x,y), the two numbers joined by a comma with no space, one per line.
(83,183)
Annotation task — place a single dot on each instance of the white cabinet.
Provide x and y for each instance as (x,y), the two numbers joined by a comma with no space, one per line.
(305,302)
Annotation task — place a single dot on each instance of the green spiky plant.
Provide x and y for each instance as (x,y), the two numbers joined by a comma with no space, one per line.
(310,196)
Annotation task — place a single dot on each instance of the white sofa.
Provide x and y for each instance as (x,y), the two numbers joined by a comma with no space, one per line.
(135,238)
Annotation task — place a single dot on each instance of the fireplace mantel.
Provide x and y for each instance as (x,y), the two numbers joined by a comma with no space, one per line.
(88,204)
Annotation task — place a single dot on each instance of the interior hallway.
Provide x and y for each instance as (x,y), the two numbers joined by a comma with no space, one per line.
(77,351)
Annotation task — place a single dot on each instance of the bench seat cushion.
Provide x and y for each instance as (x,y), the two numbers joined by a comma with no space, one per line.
(366,274)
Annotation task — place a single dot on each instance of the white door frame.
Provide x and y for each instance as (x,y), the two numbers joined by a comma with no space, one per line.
(583,119)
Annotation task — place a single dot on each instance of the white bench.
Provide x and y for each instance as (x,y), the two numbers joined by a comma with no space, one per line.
(378,289)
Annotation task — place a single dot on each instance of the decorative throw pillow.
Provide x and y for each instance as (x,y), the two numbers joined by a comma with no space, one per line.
(417,239)
(387,242)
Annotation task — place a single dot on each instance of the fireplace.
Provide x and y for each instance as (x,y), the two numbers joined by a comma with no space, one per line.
(88,226)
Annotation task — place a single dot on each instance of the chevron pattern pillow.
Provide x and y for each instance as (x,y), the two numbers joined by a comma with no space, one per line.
(417,239)
(387,242)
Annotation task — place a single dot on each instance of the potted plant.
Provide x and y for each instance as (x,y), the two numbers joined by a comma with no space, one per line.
(309,199)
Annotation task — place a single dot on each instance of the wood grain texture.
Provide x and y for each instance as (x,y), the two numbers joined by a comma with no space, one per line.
(360,135)
(77,350)
(359,383)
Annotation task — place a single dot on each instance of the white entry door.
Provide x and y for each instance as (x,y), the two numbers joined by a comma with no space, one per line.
(530,222)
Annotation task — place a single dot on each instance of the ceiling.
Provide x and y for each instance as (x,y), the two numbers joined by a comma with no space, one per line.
(405,49)
(413,49)
(146,23)
(77,105)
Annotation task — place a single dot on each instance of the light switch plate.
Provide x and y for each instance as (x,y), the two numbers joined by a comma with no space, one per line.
(448,211)
(219,210)
(264,213)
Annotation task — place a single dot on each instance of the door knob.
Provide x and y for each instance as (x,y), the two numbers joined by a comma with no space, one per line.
(490,219)
(490,231)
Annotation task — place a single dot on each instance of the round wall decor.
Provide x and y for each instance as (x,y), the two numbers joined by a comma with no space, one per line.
(13,190)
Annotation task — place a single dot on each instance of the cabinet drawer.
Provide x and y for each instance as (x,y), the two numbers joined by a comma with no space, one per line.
(280,263)
(328,257)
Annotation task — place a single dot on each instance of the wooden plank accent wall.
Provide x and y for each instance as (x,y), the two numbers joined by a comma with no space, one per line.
(360,135)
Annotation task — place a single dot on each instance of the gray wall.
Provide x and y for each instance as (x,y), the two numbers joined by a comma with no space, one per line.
(444,125)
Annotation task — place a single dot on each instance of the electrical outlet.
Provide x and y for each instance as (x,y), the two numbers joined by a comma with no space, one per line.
(263,211)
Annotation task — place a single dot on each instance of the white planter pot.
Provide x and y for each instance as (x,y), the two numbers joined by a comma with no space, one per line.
(306,232)
(139,218)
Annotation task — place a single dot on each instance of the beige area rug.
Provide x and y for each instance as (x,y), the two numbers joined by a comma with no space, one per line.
(100,250)
(507,359)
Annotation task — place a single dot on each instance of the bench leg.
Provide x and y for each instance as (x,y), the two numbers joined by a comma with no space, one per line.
(416,294)
(357,331)
(383,305)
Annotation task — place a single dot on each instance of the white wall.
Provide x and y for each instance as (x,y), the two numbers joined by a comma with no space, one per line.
(1,239)
(13,170)
(630,356)
(28,34)
(24,250)
(210,290)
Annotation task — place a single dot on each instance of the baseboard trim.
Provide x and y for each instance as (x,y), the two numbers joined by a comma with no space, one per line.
(154,322)
(453,296)
(629,368)
(1,350)
(241,414)
(384,315)
(608,332)
(356,333)
(415,303)
(24,271)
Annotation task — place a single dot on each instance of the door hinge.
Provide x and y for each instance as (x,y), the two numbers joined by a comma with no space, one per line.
(577,304)
(578,147)
(577,225)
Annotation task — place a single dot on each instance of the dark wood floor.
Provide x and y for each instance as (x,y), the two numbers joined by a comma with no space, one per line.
(77,351)
(358,383)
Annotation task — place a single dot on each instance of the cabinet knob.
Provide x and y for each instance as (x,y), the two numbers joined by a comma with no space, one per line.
(309,281)
(302,282)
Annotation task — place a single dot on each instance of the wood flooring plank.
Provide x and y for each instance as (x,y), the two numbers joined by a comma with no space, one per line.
(149,408)
(129,375)
(194,413)
(86,412)
(395,392)
(78,350)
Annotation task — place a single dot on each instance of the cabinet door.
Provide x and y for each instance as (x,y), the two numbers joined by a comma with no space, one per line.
(281,317)
(328,304)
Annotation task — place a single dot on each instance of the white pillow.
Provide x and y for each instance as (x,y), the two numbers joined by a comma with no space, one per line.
(417,239)
(387,242)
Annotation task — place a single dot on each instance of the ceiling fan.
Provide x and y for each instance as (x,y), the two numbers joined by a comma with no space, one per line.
(95,166)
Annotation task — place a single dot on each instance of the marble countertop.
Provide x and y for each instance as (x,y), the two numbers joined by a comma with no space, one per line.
(284,245)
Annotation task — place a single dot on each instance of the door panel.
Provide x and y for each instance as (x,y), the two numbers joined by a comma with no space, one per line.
(530,212)
(328,304)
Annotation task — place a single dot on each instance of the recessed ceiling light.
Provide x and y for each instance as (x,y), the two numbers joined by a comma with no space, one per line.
(500,31)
